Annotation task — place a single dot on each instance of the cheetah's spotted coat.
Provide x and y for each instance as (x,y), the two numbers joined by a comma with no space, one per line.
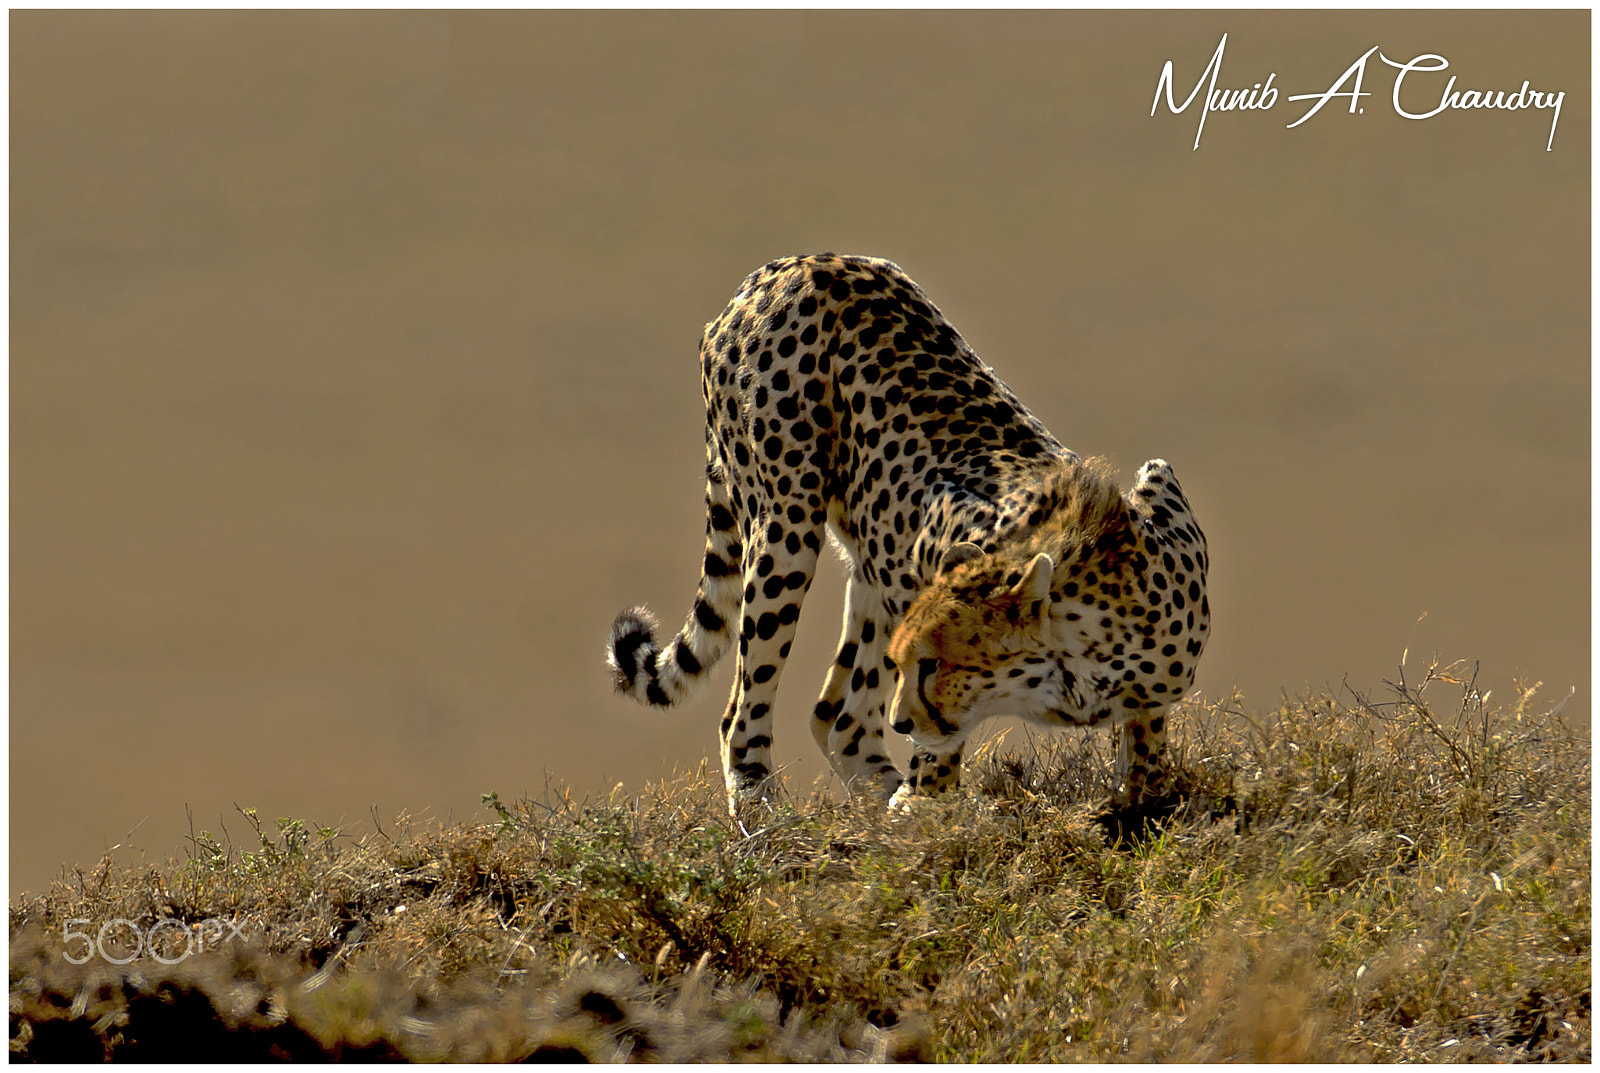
(991,571)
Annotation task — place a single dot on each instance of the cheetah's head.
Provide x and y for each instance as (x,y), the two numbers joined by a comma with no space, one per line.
(969,646)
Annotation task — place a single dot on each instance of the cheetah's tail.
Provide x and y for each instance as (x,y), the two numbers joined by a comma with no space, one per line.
(662,675)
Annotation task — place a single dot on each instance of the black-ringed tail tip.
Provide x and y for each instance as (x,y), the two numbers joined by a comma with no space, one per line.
(633,647)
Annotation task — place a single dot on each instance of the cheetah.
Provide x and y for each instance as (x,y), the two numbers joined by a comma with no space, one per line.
(990,570)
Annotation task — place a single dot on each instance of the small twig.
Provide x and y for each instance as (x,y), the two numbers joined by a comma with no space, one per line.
(377,825)
(1461,760)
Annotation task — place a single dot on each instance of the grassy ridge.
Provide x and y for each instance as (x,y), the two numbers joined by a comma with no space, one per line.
(1347,880)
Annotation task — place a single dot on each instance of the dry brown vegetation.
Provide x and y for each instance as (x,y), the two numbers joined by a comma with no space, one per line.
(1348,879)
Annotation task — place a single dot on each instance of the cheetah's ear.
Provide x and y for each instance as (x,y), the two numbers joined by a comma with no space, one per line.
(957,554)
(1035,583)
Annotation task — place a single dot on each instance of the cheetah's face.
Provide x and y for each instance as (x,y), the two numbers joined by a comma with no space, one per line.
(971,648)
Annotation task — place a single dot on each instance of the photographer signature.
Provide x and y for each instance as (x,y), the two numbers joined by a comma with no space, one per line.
(1264,95)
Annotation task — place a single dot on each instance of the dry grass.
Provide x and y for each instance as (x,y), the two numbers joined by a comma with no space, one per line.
(1347,881)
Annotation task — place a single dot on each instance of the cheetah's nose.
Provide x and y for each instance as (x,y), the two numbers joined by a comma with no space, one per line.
(902,726)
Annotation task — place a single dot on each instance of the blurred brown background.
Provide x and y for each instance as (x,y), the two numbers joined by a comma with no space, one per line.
(354,389)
